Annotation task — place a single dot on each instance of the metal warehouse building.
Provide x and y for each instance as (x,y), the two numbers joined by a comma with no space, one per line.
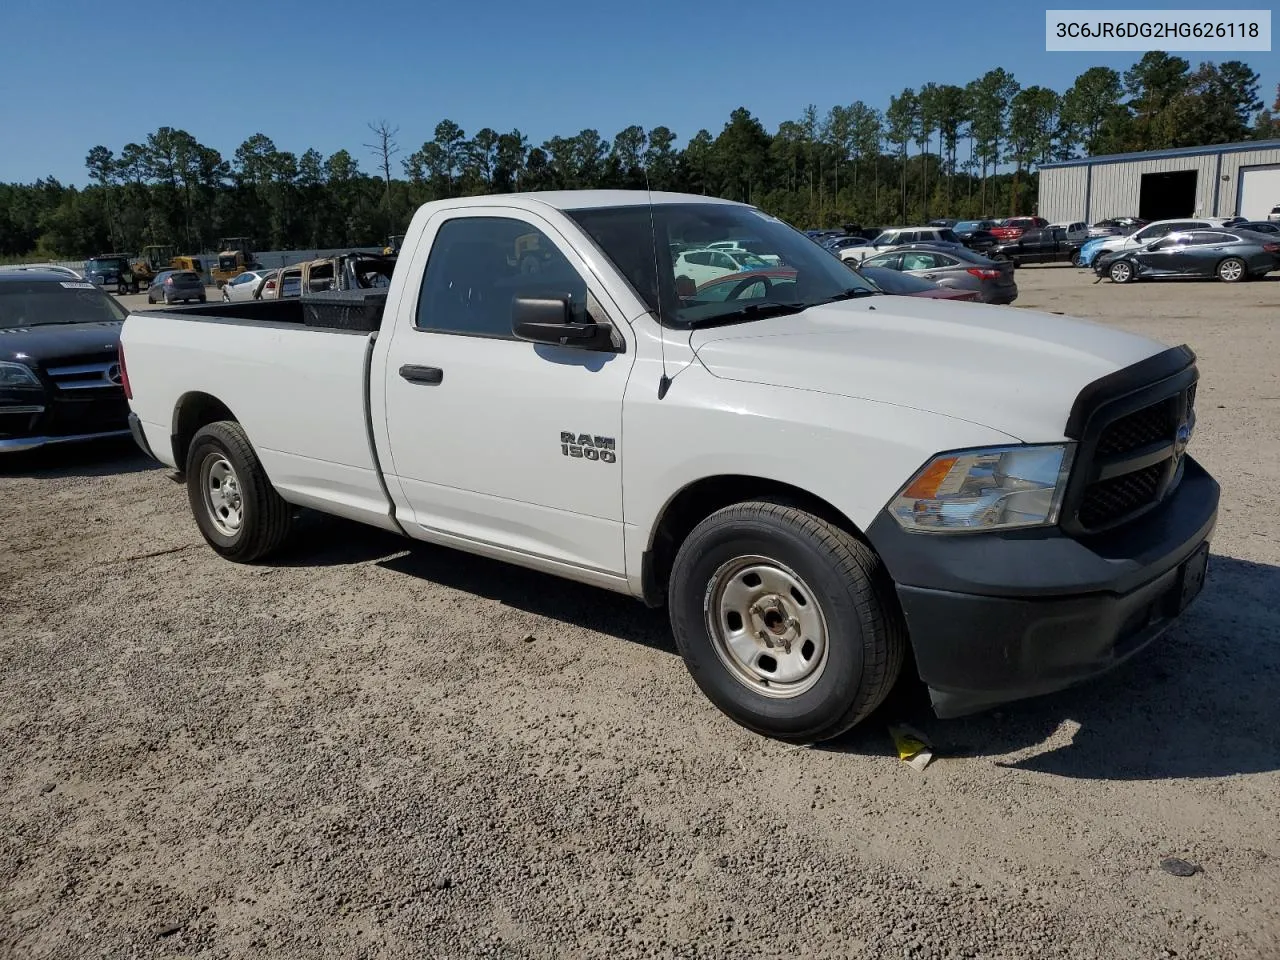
(1225,180)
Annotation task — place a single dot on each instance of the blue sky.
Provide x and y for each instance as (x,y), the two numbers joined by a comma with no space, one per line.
(313,74)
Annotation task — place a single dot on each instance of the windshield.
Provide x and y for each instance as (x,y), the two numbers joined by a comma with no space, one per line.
(641,240)
(968,226)
(35,303)
(948,236)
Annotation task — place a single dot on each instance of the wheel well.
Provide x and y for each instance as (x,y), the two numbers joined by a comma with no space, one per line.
(194,410)
(704,497)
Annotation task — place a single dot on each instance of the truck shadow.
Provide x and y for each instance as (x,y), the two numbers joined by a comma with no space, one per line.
(1199,703)
(320,541)
(95,458)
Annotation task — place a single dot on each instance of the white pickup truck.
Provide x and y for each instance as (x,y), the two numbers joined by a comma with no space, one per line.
(811,475)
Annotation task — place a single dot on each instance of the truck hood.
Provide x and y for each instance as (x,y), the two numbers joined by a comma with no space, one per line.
(54,341)
(1012,370)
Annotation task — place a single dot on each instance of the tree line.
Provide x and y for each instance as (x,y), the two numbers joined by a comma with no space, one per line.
(940,150)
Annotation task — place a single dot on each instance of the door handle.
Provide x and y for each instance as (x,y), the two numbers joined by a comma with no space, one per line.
(416,374)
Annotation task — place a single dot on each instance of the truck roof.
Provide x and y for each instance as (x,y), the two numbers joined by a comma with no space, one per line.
(582,199)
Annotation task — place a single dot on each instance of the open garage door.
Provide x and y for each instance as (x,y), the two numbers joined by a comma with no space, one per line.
(1259,191)
(1166,196)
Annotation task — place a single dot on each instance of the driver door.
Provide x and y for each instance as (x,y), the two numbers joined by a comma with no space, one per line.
(497,444)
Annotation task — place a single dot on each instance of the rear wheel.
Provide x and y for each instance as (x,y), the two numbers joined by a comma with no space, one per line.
(1232,270)
(787,623)
(1075,259)
(236,508)
(1121,271)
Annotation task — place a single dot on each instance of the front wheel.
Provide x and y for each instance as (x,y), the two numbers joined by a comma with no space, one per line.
(1075,259)
(1121,272)
(237,510)
(787,623)
(1232,270)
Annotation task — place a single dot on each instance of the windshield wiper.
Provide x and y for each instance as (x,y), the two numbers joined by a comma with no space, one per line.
(851,293)
(754,311)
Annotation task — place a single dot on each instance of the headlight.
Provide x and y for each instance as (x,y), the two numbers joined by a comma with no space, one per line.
(997,488)
(17,375)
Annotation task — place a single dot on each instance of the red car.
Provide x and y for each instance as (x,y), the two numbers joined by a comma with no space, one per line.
(1014,227)
(755,283)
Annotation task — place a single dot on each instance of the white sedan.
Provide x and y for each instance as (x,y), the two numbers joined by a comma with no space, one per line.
(703,265)
(243,286)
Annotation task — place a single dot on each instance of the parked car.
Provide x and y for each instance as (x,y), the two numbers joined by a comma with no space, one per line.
(1076,230)
(900,236)
(943,222)
(176,286)
(1140,238)
(244,286)
(808,486)
(965,227)
(1230,255)
(836,244)
(981,241)
(1012,228)
(900,284)
(1116,227)
(1050,245)
(959,269)
(703,265)
(1275,213)
(1269,227)
(60,377)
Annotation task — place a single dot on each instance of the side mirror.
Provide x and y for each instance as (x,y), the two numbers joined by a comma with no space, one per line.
(550,319)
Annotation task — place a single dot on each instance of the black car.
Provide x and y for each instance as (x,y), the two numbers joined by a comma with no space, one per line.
(982,241)
(60,377)
(1049,245)
(1270,227)
(1230,255)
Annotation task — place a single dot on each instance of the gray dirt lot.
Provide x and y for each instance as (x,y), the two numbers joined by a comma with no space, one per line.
(369,749)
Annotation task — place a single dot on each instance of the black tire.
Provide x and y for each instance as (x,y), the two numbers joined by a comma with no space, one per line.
(203,299)
(264,515)
(1075,259)
(865,637)
(1233,270)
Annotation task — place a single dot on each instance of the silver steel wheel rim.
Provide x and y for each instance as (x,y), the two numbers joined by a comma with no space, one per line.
(1120,272)
(767,627)
(222,497)
(1230,271)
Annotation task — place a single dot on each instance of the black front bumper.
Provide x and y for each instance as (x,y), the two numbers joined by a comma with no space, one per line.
(1000,617)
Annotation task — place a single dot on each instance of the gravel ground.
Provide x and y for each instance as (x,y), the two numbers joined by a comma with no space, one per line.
(368,749)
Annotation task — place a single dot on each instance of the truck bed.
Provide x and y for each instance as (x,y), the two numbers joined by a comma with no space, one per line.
(357,311)
(302,399)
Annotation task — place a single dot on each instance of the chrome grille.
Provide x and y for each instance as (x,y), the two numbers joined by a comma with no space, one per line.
(96,375)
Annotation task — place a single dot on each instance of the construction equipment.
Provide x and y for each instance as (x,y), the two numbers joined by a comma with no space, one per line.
(151,261)
(234,258)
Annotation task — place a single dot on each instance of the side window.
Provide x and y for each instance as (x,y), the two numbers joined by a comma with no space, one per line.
(887,261)
(918,261)
(479,265)
(723,261)
(698,259)
(910,236)
(1154,233)
(1205,239)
